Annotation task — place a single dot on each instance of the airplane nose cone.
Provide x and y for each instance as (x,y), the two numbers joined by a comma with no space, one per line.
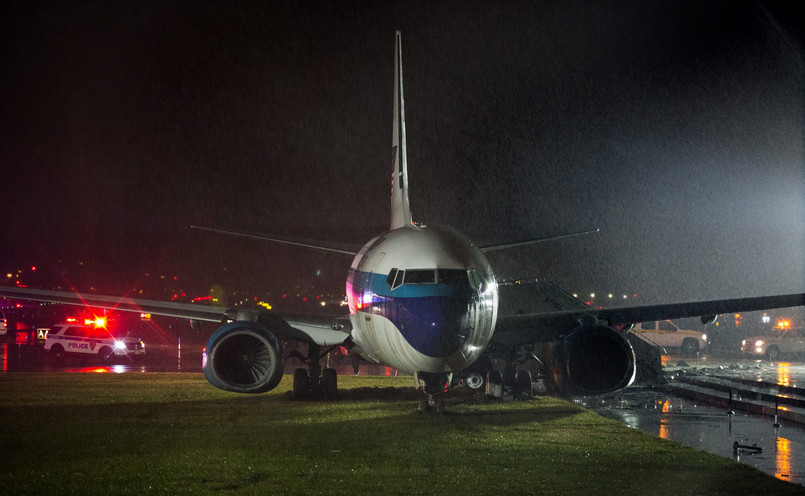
(433,326)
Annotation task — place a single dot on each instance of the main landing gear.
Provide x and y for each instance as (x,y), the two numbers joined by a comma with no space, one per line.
(431,393)
(313,382)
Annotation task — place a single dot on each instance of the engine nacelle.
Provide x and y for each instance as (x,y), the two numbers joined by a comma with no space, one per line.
(593,359)
(244,357)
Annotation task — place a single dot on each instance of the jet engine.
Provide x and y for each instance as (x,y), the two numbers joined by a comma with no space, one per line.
(593,359)
(243,357)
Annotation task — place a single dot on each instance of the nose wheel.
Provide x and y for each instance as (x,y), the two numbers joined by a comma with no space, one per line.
(431,392)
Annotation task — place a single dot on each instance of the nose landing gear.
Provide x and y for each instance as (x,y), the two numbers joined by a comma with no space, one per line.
(431,392)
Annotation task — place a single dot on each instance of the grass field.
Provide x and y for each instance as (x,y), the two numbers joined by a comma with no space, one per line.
(175,434)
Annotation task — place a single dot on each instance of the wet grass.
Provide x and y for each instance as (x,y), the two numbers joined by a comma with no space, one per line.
(175,434)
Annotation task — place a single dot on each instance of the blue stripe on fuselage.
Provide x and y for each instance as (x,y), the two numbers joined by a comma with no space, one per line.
(429,316)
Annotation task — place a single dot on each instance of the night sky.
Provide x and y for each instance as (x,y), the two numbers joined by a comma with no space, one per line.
(674,127)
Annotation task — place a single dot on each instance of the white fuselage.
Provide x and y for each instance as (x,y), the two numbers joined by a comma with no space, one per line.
(421,299)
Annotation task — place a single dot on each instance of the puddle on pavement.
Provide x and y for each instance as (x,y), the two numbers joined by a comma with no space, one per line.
(710,429)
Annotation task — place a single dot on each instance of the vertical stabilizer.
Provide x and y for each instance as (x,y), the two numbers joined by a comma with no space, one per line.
(400,211)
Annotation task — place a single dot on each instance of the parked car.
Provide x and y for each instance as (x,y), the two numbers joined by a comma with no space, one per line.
(666,334)
(75,339)
(780,341)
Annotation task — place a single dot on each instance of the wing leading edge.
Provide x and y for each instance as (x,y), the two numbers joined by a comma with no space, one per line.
(323,330)
(535,327)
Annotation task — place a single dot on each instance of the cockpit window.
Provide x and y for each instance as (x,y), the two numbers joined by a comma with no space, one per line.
(452,275)
(398,277)
(390,278)
(419,276)
(395,278)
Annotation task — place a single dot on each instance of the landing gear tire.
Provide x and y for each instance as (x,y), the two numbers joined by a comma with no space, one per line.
(474,380)
(301,383)
(423,403)
(329,383)
(438,401)
(494,384)
(431,392)
(522,384)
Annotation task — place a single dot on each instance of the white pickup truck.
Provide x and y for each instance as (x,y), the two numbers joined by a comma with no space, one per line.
(780,341)
(669,335)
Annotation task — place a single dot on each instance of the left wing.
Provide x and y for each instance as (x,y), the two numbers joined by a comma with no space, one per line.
(324,330)
(545,326)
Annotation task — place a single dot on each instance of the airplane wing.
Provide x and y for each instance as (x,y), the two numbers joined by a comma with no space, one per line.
(544,326)
(324,330)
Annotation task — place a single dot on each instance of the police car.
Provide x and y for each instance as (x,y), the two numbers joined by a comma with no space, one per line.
(91,341)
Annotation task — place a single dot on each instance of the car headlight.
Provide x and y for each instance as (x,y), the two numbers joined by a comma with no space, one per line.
(704,337)
(120,345)
(759,342)
(743,343)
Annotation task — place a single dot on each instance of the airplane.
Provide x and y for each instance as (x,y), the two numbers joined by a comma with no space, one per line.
(423,300)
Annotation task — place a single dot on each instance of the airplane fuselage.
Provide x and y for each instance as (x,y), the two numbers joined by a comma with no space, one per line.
(421,299)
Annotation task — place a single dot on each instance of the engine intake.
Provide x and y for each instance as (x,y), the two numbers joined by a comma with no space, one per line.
(243,357)
(593,359)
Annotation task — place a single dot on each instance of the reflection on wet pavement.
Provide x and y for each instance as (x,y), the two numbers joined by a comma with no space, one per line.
(710,428)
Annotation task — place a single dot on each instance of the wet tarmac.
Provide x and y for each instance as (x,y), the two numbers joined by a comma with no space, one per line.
(778,449)
(167,359)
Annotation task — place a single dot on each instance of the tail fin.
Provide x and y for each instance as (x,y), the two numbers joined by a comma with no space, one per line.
(400,210)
